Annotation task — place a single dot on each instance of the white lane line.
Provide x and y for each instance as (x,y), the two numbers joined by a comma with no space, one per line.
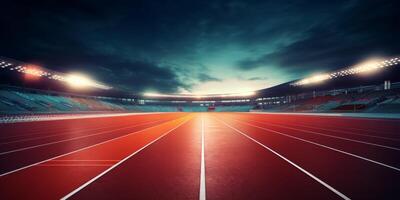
(119,163)
(364,116)
(75,138)
(365,130)
(59,156)
(290,162)
(59,134)
(67,160)
(332,136)
(202,195)
(332,129)
(74,165)
(324,146)
(36,118)
(345,132)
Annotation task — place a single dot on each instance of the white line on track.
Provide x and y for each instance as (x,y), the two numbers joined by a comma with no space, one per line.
(74,165)
(68,160)
(202,195)
(50,135)
(332,136)
(75,138)
(68,133)
(366,116)
(360,129)
(345,132)
(290,162)
(119,163)
(338,117)
(59,156)
(331,129)
(36,118)
(324,146)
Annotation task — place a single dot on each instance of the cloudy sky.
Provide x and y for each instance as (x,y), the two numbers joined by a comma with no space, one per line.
(198,46)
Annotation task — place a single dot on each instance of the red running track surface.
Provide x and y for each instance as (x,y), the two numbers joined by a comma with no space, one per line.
(162,156)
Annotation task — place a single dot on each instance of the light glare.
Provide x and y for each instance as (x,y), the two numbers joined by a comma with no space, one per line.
(82,81)
(368,66)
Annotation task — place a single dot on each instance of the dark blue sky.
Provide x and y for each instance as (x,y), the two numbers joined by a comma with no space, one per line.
(198,46)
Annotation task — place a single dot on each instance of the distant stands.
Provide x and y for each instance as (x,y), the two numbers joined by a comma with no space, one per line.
(345,90)
(14,100)
(236,108)
(373,99)
(18,101)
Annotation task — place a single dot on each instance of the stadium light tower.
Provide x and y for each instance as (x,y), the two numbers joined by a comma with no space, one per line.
(34,72)
(81,81)
(366,67)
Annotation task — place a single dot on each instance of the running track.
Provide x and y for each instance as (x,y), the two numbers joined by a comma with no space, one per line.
(201,156)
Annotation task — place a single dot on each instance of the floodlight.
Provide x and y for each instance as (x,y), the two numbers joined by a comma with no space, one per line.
(364,67)
(81,81)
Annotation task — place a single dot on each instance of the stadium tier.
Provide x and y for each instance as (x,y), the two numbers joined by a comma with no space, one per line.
(15,100)
(385,101)
(347,90)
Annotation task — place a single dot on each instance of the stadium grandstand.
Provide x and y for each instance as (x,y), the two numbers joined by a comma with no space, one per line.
(371,87)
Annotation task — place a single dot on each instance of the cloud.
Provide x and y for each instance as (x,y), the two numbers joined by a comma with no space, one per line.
(362,29)
(69,37)
(202,77)
(257,78)
(166,46)
(139,76)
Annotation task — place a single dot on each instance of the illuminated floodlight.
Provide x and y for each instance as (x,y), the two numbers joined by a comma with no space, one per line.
(320,78)
(81,81)
(368,66)
(314,79)
(32,71)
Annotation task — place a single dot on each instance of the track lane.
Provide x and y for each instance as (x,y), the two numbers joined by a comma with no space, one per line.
(168,169)
(238,168)
(50,135)
(66,136)
(15,160)
(177,154)
(379,127)
(377,142)
(24,130)
(55,178)
(377,153)
(348,174)
(362,137)
(234,167)
(367,136)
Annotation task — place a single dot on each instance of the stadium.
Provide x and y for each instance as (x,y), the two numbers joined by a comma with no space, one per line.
(75,131)
(347,90)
